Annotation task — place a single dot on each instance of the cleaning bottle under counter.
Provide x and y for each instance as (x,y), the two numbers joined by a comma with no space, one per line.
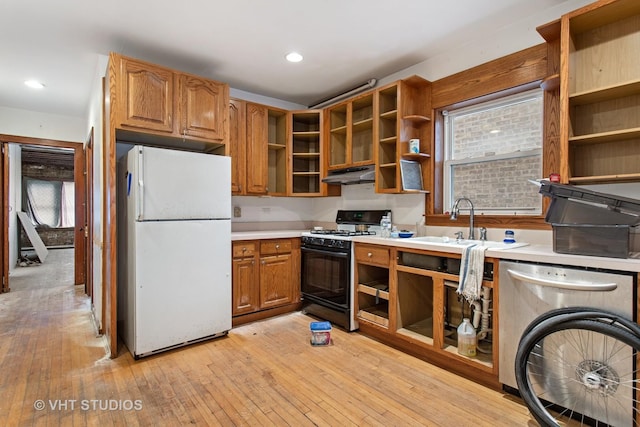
(467,338)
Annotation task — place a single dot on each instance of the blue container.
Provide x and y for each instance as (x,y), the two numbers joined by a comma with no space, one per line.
(320,333)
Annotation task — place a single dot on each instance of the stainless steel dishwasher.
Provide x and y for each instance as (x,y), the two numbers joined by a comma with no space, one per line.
(528,290)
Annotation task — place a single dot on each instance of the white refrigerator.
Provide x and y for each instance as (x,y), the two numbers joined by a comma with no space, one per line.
(176,286)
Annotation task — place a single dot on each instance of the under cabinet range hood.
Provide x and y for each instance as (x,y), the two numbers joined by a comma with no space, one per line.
(352,175)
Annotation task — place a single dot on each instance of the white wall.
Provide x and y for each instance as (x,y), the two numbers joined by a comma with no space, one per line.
(94,120)
(14,121)
(406,209)
(498,39)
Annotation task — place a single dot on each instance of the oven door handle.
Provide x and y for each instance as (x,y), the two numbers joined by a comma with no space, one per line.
(602,287)
(323,252)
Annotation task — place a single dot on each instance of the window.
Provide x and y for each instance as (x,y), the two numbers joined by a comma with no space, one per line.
(50,203)
(491,151)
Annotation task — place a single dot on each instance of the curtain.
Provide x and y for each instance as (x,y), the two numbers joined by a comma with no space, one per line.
(67,206)
(50,203)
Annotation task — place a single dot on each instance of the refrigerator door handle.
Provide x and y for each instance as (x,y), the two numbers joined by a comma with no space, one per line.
(140,186)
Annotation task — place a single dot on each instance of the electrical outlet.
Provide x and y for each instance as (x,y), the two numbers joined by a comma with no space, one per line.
(237,212)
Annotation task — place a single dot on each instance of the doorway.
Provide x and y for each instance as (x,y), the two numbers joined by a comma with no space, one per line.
(32,168)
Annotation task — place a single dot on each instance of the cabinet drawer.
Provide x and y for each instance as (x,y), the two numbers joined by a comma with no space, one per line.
(274,247)
(244,249)
(372,255)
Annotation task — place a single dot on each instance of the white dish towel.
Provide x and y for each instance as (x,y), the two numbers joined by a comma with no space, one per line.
(471,272)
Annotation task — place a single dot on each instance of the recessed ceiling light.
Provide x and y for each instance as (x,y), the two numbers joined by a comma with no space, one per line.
(293,57)
(494,131)
(34,84)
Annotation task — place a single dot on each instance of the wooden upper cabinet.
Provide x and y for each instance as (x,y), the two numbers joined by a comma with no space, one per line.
(600,93)
(349,126)
(158,100)
(257,148)
(203,107)
(237,145)
(147,94)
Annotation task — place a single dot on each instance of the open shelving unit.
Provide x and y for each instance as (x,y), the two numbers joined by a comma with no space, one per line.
(305,152)
(277,149)
(350,128)
(408,296)
(600,120)
(403,113)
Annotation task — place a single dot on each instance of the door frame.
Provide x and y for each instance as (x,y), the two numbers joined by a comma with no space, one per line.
(80,184)
(88,209)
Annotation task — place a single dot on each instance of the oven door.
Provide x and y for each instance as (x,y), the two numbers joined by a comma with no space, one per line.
(326,277)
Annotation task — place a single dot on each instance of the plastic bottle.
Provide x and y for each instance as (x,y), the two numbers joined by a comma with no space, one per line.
(509,236)
(466,338)
(385,227)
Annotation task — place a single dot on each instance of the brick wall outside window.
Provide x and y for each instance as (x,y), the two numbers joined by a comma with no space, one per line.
(498,183)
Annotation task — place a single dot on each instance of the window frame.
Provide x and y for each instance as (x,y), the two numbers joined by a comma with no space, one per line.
(498,100)
(521,70)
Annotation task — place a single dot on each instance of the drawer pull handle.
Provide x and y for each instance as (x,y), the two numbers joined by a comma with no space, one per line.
(277,246)
(369,254)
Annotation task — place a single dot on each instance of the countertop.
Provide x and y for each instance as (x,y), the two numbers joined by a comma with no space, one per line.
(265,234)
(531,253)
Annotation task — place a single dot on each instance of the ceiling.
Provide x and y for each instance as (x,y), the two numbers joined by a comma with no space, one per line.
(61,157)
(240,42)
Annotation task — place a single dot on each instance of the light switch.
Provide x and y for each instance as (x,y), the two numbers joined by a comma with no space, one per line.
(237,212)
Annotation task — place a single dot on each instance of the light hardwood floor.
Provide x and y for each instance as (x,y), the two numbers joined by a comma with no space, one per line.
(264,373)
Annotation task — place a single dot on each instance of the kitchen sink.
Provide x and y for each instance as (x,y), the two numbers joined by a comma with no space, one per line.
(449,242)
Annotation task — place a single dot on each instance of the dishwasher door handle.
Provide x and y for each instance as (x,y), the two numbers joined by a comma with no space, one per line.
(601,287)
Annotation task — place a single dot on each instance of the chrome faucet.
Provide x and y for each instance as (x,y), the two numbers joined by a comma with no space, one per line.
(455,211)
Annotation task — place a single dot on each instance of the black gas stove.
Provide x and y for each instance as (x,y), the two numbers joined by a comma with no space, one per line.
(327,270)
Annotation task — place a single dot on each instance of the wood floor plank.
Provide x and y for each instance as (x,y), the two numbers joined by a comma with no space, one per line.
(264,373)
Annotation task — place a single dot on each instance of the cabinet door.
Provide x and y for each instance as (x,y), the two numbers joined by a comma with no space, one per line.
(245,286)
(276,281)
(203,107)
(147,94)
(257,151)
(237,145)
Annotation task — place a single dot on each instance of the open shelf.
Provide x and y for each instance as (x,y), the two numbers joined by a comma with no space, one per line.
(416,156)
(605,93)
(551,82)
(581,180)
(617,135)
(416,118)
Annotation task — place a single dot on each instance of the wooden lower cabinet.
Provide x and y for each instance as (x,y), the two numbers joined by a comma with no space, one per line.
(266,278)
(407,298)
(275,280)
(245,276)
